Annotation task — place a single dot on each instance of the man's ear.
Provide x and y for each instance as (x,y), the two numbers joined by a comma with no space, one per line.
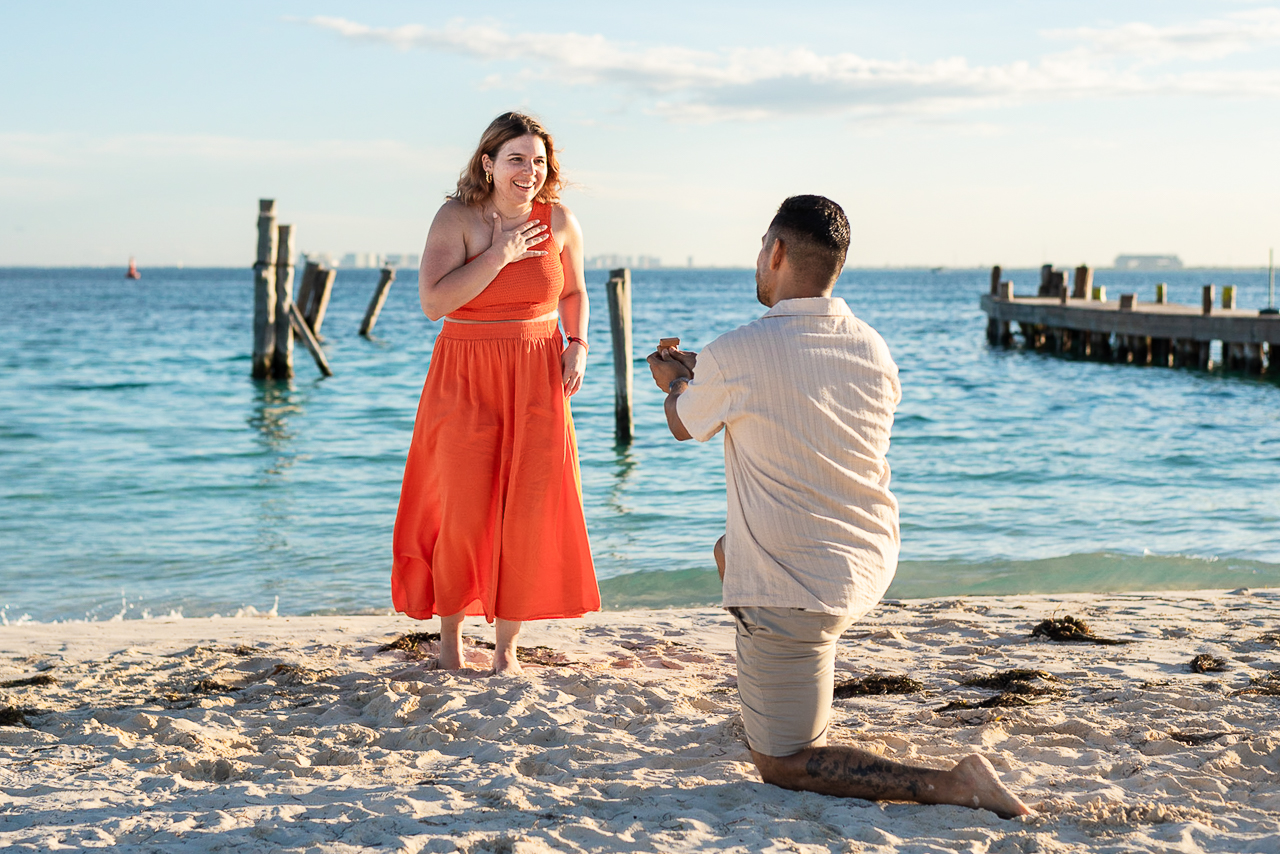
(777,254)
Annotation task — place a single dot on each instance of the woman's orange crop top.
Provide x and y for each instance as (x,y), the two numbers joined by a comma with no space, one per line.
(522,290)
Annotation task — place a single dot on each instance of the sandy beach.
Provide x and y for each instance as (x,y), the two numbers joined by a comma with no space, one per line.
(306,734)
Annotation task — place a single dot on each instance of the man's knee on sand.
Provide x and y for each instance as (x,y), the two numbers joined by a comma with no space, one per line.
(781,771)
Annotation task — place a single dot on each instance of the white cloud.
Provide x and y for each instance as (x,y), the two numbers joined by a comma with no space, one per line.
(1239,32)
(757,83)
(68,150)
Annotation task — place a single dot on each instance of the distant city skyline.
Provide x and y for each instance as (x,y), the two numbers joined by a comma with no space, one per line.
(954,134)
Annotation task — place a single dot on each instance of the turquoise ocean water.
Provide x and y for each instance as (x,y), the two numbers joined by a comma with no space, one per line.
(142,472)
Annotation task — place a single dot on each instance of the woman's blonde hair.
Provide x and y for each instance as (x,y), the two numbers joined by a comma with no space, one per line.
(472,186)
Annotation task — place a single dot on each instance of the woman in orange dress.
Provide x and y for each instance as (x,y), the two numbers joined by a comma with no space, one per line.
(490,520)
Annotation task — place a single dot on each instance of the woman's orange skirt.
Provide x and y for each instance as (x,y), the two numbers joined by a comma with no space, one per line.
(490,518)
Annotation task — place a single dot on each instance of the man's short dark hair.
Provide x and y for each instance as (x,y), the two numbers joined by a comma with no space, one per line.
(816,233)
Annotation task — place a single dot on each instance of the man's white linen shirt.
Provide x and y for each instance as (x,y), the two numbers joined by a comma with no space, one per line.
(806,396)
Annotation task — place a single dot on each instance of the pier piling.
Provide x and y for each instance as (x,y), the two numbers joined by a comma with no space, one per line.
(306,285)
(619,289)
(320,293)
(1083,284)
(282,358)
(388,275)
(299,324)
(264,291)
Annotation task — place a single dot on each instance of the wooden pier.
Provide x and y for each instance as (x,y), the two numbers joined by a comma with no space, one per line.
(1085,324)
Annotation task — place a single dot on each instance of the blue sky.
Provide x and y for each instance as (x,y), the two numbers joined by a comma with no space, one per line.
(954,134)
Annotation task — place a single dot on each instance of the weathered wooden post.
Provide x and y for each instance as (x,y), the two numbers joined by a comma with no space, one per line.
(1142,349)
(1162,293)
(619,289)
(282,359)
(1100,293)
(379,299)
(1251,358)
(264,290)
(1083,282)
(1160,352)
(1206,299)
(1058,284)
(1229,296)
(299,324)
(1046,279)
(306,287)
(1127,301)
(320,294)
(993,325)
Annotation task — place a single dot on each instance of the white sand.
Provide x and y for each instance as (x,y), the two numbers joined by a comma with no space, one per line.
(319,742)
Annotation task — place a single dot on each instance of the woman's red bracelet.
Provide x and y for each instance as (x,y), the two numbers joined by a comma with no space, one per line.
(585,347)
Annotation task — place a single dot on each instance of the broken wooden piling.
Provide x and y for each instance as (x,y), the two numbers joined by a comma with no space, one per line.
(282,357)
(379,299)
(264,291)
(619,290)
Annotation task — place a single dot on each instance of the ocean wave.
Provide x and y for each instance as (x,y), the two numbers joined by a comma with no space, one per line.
(1095,572)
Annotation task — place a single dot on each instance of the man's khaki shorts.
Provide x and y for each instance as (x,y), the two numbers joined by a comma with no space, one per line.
(786,674)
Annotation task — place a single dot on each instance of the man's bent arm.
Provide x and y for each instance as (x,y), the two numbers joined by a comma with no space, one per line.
(677,388)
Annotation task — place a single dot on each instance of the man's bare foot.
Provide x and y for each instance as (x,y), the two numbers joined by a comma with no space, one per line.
(974,784)
(506,663)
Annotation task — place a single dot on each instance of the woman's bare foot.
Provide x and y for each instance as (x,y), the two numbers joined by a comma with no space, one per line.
(450,657)
(974,784)
(506,662)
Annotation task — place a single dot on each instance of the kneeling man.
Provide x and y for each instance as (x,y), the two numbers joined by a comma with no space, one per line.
(806,396)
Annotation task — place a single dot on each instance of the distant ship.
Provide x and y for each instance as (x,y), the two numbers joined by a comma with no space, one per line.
(132,272)
(1148,262)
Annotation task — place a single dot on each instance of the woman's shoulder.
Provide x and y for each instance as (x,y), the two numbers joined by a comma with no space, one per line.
(454,210)
(562,219)
(458,219)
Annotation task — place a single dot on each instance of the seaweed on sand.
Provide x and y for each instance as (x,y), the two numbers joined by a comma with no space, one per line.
(1007,700)
(210,686)
(1018,687)
(1071,629)
(1205,663)
(877,685)
(543,655)
(42,679)
(1006,679)
(1266,686)
(12,716)
(410,643)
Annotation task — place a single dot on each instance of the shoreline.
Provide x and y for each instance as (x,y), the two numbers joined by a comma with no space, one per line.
(301,733)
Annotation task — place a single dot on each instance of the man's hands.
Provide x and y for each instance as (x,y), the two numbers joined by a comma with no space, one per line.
(668,365)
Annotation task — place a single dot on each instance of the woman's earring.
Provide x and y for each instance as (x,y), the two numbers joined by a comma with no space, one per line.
(488,177)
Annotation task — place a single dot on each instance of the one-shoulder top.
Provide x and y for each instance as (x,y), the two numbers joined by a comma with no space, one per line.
(522,290)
